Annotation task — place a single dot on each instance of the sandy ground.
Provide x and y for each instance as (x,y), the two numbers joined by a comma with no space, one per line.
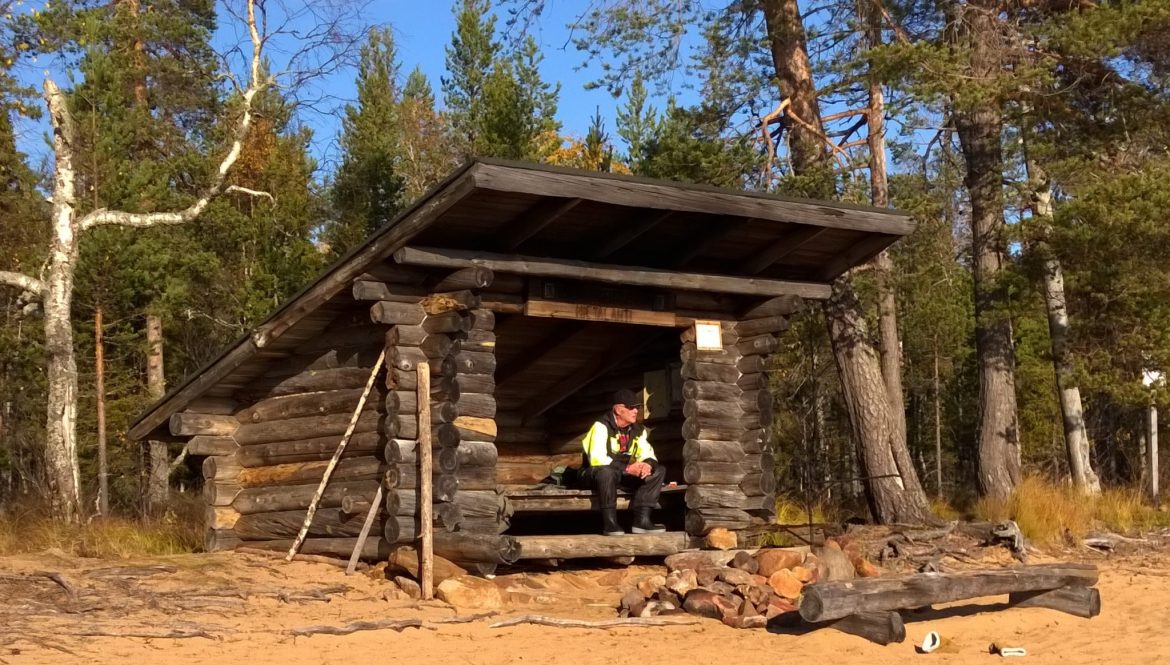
(244,607)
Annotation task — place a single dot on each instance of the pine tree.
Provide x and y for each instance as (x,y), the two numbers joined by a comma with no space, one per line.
(428,154)
(471,59)
(637,122)
(367,189)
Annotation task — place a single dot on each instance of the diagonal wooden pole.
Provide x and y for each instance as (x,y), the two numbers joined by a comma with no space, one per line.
(292,551)
(426,562)
(361,541)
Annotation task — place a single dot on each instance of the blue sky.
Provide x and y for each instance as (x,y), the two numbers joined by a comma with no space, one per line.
(422,31)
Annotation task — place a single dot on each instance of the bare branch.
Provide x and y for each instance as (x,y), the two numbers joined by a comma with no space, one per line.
(236,189)
(178,461)
(23,282)
(103,216)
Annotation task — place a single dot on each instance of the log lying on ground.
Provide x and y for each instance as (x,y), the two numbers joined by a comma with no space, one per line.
(879,627)
(310,450)
(1084,602)
(588,546)
(836,600)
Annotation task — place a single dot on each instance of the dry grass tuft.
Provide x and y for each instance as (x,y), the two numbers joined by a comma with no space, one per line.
(1048,513)
(27,530)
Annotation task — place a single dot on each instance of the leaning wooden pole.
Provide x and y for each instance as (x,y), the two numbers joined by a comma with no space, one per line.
(296,545)
(375,506)
(427,559)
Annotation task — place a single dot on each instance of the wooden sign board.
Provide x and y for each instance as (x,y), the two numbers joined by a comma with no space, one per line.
(582,312)
(708,336)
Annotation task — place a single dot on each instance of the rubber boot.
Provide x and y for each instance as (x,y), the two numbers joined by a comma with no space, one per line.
(642,523)
(609,523)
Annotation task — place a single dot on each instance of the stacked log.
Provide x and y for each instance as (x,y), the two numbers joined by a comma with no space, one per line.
(448,330)
(471,366)
(728,409)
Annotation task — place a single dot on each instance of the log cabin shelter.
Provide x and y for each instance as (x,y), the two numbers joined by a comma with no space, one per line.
(532,293)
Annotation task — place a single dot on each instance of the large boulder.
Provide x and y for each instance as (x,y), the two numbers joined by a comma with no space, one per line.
(773,560)
(721,539)
(785,584)
(682,581)
(704,602)
(471,592)
(833,565)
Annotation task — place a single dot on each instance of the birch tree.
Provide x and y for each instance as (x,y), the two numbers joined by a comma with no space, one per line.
(53,286)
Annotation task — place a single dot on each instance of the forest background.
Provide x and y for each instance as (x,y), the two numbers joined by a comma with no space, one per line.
(1029,138)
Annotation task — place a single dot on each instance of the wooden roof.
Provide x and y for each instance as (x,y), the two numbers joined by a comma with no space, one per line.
(507,208)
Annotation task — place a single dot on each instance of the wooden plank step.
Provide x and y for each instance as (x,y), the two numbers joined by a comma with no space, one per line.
(585,546)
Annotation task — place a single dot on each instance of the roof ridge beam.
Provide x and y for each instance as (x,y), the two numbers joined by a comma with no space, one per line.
(609,274)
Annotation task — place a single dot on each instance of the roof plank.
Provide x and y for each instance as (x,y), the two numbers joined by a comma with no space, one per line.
(640,193)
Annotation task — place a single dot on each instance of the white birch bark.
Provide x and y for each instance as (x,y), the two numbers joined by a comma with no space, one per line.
(56,290)
(1076,436)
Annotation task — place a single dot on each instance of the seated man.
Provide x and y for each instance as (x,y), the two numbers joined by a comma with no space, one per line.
(617,450)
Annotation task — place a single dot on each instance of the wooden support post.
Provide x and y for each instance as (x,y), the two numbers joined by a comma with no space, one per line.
(427,554)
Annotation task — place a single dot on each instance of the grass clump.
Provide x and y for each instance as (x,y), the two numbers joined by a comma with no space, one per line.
(28,530)
(1050,514)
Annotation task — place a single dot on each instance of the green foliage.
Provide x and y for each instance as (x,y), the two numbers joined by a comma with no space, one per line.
(367,191)
(497,102)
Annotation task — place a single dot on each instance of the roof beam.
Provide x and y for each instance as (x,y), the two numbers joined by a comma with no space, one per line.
(630,233)
(781,248)
(609,274)
(534,220)
(593,368)
(858,253)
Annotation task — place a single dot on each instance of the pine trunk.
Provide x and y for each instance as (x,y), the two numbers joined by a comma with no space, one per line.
(100,380)
(979,127)
(897,496)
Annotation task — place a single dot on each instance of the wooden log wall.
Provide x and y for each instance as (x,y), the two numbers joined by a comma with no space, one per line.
(728,410)
(440,321)
(264,459)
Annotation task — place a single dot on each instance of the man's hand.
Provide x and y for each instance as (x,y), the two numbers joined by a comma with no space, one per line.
(639,470)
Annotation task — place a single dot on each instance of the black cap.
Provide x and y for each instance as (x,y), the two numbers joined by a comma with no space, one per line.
(627,398)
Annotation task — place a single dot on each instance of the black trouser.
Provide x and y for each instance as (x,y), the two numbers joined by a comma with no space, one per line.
(605,480)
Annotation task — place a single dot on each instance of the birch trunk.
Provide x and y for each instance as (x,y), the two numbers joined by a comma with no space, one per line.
(61,463)
(1076,435)
(979,127)
(62,471)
